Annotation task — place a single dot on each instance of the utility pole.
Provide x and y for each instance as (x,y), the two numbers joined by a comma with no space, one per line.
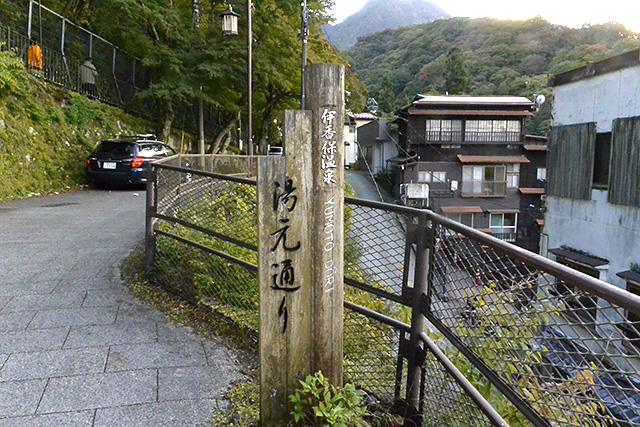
(195,9)
(249,79)
(304,35)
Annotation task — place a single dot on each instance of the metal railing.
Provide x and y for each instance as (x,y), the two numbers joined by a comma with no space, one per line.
(121,78)
(483,188)
(448,325)
(458,136)
(505,237)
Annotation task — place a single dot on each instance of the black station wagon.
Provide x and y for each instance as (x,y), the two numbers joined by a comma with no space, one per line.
(125,160)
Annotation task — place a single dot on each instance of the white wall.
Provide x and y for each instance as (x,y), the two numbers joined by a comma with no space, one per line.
(598,99)
(351,150)
(598,227)
(595,226)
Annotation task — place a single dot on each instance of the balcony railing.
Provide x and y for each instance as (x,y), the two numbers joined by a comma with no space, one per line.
(484,188)
(472,137)
(444,136)
(505,237)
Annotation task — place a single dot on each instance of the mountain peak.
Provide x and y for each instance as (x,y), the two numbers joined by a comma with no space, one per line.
(379,15)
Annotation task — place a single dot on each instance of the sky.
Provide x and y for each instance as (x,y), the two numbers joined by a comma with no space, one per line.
(571,13)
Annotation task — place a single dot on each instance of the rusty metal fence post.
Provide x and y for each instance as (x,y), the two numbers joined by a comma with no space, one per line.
(150,239)
(424,247)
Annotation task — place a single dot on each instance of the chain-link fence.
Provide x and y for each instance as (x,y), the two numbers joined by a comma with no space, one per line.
(206,235)
(561,345)
(56,49)
(115,76)
(447,325)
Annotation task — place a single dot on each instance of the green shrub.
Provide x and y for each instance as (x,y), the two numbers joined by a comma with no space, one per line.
(46,132)
(318,403)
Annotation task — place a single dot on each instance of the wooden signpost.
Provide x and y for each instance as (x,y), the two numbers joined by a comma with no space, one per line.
(300,245)
(325,99)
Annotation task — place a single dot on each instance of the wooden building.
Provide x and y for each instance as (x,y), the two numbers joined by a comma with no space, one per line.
(593,217)
(482,169)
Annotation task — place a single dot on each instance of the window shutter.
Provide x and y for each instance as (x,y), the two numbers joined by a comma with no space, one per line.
(624,171)
(570,161)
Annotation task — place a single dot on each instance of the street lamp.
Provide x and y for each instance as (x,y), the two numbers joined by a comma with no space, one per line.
(229,22)
(230,28)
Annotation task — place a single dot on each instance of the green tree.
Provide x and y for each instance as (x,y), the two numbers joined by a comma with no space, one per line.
(186,64)
(456,74)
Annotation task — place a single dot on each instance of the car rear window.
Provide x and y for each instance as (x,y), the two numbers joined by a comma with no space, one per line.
(151,150)
(116,148)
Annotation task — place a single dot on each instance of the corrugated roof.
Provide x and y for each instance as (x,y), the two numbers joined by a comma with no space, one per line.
(536,147)
(510,113)
(364,116)
(578,257)
(492,159)
(532,190)
(631,275)
(461,209)
(608,65)
(480,100)
(502,210)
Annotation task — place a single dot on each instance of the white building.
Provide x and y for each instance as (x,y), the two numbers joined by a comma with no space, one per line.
(593,171)
(352,122)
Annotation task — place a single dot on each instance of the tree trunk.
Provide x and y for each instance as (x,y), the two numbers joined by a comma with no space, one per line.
(272,102)
(224,130)
(166,117)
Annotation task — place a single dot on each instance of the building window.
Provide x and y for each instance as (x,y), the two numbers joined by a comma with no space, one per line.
(462,218)
(352,128)
(503,226)
(492,130)
(450,146)
(443,130)
(541,174)
(601,160)
(513,175)
(432,176)
(438,176)
(487,181)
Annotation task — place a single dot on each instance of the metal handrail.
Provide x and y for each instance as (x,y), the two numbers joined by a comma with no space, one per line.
(459,378)
(621,297)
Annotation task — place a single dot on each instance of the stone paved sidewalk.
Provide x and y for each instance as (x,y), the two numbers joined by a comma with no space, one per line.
(75,348)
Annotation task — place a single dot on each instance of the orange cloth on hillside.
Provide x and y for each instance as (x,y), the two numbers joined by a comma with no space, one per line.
(34,57)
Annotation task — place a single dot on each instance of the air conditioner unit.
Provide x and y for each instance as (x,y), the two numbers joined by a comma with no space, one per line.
(416,195)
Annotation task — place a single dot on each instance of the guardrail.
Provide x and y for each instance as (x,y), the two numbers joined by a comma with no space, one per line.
(526,340)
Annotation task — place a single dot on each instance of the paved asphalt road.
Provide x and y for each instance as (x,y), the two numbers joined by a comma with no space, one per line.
(75,348)
(378,235)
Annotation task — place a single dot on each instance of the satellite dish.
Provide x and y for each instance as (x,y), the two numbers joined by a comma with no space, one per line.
(540,100)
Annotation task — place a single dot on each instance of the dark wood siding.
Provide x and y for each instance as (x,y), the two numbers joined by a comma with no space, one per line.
(570,161)
(624,177)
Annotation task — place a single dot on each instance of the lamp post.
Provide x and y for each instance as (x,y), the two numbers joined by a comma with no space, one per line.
(230,28)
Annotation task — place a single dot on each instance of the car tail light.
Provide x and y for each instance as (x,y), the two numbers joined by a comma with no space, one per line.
(137,162)
(88,162)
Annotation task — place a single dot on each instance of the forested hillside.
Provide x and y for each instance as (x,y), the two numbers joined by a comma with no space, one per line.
(500,57)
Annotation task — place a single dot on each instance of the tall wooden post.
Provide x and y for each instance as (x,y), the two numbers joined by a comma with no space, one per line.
(300,246)
(325,98)
(284,245)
